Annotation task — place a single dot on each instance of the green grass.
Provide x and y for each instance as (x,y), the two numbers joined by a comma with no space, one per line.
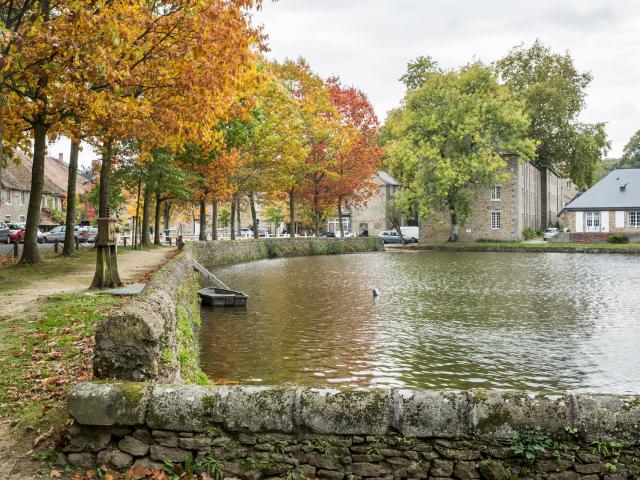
(13,277)
(42,353)
(540,246)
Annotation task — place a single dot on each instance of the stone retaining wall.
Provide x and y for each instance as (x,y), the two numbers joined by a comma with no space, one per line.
(154,336)
(215,254)
(261,432)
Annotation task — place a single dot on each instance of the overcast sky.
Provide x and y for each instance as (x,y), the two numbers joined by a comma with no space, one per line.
(369,42)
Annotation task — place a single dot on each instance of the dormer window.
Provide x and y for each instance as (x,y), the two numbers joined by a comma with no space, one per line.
(623,187)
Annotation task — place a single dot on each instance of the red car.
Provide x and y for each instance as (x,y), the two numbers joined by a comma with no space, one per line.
(16,232)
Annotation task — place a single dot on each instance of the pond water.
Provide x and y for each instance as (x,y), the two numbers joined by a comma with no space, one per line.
(551,322)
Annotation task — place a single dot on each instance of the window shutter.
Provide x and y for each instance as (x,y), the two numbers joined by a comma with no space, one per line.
(604,221)
(579,223)
(619,219)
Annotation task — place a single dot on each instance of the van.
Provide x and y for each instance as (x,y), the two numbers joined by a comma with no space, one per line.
(410,234)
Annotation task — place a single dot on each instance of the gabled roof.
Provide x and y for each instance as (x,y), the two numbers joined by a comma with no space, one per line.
(619,190)
(17,176)
(387,178)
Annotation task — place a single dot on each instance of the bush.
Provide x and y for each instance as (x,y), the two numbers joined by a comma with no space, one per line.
(622,238)
(529,233)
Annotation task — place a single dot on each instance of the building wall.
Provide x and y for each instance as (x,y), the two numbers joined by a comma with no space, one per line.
(373,214)
(610,222)
(16,210)
(560,192)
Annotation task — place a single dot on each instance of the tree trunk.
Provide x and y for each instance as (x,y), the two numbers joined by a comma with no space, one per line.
(146,215)
(454,228)
(316,212)
(30,253)
(167,214)
(156,222)
(254,216)
(136,225)
(238,225)
(106,275)
(69,237)
(214,220)
(340,216)
(232,227)
(203,221)
(292,214)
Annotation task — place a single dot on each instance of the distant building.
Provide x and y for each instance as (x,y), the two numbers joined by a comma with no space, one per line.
(533,197)
(15,189)
(372,216)
(611,206)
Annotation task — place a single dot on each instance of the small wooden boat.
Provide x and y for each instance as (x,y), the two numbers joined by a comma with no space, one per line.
(220,297)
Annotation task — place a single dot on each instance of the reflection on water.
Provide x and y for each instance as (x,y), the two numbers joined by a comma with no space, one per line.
(551,322)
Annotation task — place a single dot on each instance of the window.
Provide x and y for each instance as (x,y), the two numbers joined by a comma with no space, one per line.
(21,218)
(22,197)
(634,219)
(495,221)
(7,197)
(593,221)
(495,193)
(7,218)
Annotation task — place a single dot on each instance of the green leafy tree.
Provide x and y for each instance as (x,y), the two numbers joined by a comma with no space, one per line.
(631,153)
(449,136)
(553,92)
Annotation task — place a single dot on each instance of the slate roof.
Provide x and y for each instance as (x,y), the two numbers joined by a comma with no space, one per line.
(17,176)
(620,190)
(387,178)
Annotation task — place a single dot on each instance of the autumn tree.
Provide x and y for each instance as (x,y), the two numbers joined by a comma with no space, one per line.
(356,165)
(449,136)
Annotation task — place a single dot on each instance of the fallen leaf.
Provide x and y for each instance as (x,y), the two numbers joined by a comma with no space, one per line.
(55,473)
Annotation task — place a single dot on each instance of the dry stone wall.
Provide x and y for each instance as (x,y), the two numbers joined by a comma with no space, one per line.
(262,432)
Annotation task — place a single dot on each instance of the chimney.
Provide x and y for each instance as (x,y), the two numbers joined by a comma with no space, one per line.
(61,157)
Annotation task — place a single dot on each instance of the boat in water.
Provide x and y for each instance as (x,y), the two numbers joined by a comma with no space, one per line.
(220,297)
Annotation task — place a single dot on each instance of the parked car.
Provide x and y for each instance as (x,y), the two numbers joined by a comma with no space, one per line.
(347,233)
(86,234)
(327,234)
(57,233)
(550,233)
(246,233)
(410,234)
(389,236)
(16,232)
(4,233)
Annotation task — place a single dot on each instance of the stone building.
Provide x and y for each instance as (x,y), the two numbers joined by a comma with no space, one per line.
(532,197)
(15,189)
(611,206)
(372,216)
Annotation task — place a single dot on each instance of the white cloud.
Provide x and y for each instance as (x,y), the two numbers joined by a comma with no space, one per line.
(369,42)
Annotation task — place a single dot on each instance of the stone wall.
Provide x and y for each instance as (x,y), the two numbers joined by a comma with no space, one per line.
(261,432)
(154,336)
(215,254)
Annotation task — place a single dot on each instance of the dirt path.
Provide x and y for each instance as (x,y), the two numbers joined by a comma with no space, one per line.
(131,266)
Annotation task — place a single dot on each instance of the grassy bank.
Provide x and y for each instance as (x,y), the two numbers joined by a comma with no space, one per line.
(44,350)
(633,248)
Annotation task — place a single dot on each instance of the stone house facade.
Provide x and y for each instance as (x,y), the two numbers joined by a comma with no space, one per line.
(15,189)
(532,197)
(611,206)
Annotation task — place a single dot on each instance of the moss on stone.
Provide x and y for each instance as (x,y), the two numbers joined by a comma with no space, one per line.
(131,392)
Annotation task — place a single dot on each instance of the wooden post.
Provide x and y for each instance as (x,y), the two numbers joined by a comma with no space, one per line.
(55,246)
(169,241)
(106,275)
(15,249)
(77,242)
(125,241)
(179,242)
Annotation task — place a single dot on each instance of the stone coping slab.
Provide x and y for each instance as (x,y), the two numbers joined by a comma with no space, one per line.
(484,414)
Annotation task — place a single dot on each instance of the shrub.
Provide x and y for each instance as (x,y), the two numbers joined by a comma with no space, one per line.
(622,238)
(529,233)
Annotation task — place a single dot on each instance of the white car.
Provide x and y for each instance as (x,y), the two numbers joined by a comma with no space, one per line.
(410,234)
(550,233)
(347,234)
(246,233)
